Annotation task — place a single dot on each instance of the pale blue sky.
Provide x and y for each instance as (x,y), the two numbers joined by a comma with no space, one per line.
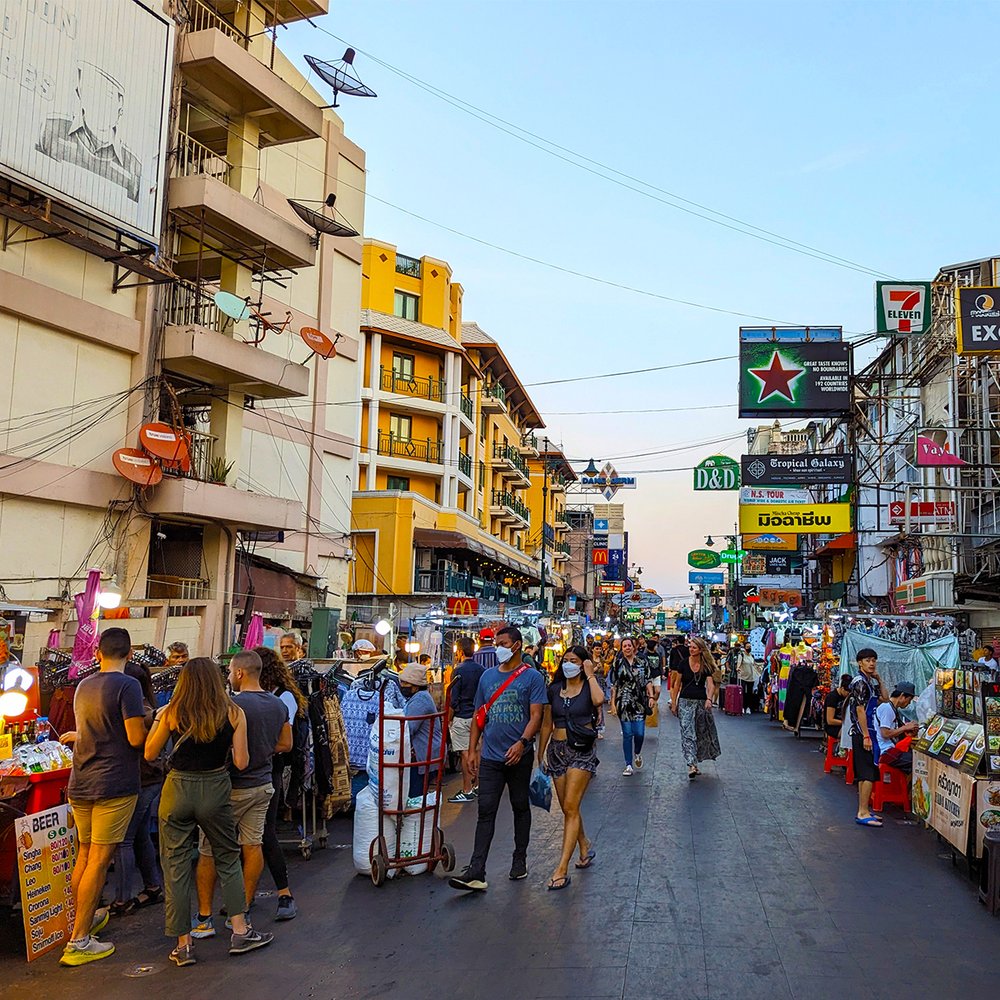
(850,127)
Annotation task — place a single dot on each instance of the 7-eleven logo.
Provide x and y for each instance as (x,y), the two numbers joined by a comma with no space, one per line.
(903,308)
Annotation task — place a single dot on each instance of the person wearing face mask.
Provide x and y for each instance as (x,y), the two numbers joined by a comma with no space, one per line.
(508,716)
(566,751)
(425,734)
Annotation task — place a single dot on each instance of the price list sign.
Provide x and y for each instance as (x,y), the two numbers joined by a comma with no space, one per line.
(991,725)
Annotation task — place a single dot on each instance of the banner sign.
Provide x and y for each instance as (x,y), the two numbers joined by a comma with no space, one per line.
(773,494)
(612,588)
(755,564)
(804,519)
(769,542)
(935,448)
(785,582)
(704,559)
(46,849)
(771,598)
(720,472)
(463,606)
(641,599)
(977,319)
(922,511)
(706,579)
(796,470)
(807,379)
(902,307)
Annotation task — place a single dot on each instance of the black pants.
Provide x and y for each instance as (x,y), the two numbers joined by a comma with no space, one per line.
(751,699)
(273,855)
(494,776)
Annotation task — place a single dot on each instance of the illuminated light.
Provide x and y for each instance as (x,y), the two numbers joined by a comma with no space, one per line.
(412,646)
(17,677)
(382,627)
(13,703)
(110,595)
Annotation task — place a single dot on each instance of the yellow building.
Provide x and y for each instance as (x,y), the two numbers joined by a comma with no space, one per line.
(550,473)
(443,506)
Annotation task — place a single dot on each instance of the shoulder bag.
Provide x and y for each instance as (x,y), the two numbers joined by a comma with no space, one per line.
(484,710)
(578,738)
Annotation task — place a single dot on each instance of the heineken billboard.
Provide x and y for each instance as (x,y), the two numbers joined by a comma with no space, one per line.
(720,472)
(794,379)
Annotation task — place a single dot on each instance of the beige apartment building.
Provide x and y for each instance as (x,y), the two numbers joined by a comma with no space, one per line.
(152,185)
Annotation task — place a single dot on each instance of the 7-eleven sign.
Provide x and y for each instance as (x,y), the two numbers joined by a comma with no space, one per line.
(902,307)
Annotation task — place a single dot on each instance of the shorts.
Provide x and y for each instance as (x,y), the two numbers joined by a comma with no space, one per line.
(460,733)
(249,812)
(104,821)
(865,768)
(560,757)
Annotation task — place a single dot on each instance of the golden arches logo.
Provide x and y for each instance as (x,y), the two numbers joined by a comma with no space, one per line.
(463,605)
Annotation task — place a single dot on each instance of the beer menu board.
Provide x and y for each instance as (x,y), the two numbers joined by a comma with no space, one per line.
(990,695)
(954,742)
(944,691)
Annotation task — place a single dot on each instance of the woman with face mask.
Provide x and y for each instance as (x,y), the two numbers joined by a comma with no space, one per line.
(632,699)
(566,751)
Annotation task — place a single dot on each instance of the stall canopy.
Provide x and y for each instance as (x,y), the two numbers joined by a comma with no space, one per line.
(435,538)
(900,662)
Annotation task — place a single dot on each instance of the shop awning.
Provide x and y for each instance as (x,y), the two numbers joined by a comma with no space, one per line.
(841,543)
(434,538)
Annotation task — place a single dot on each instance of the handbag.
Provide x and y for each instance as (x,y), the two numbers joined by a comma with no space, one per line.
(483,711)
(578,738)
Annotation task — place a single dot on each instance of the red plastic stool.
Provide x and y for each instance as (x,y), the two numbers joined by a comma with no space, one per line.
(849,770)
(832,758)
(893,787)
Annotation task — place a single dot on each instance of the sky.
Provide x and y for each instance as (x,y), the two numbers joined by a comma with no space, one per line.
(848,127)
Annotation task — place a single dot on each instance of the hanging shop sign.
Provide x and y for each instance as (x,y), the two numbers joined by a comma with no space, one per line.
(915,591)
(770,542)
(720,472)
(704,559)
(644,599)
(463,606)
(936,448)
(773,494)
(902,307)
(807,379)
(922,511)
(706,579)
(600,557)
(755,564)
(977,319)
(775,598)
(781,562)
(796,470)
(607,482)
(732,556)
(600,525)
(613,587)
(805,519)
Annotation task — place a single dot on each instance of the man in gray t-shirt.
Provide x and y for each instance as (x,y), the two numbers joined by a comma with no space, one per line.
(268,733)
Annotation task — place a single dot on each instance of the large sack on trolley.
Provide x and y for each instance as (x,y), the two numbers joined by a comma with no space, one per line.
(391,742)
(366,830)
(411,844)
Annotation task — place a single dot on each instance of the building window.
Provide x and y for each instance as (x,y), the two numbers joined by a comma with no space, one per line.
(482,426)
(407,306)
(397,483)
(402,366)
(400,427)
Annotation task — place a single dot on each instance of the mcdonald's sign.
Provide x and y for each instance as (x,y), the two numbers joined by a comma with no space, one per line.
(600,557)
(463,605)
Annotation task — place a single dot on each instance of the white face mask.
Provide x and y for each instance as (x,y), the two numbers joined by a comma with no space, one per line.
(504,654)
(571,670)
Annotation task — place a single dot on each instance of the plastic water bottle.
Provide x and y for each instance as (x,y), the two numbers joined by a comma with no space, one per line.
(42,729)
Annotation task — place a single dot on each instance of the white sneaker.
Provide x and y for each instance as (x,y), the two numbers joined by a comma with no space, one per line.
(628,771)
(638,761)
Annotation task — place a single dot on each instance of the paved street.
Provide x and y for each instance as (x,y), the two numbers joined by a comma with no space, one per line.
(753,882)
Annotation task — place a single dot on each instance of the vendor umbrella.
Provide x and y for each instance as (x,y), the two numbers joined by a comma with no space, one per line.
(87,610)
(255,632)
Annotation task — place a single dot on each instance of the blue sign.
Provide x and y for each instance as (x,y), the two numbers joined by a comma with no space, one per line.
(616,557)
(707,579)
(600,525)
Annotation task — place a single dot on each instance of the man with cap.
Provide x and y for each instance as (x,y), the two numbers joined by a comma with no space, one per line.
(486,655)
(425,734)
(894,735)
(867,693)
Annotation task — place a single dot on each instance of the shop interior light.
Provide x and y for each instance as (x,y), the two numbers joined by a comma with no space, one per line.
(412,646)
(14,700)
(17,677)
(383,627)
(110,595)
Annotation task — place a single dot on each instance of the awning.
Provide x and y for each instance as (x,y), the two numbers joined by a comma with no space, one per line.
(841,543)
(434,538)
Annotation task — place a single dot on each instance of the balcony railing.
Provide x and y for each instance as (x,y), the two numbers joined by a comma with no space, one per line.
(494,390)
(466,404)
(408,265)
(465,464)
(563,547)
(190,304)
(423,386)
(466,585)
(530,443)
(427,450)
(194,158)
(177,588)
(501,498)
(202,449)
(508,453)
(203,17)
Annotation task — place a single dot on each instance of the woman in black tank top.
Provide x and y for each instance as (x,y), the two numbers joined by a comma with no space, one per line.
(566,751)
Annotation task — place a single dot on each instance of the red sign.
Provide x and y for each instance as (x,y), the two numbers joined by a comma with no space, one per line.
(933,453)
(463,606)
(922,511)
(600,557)
(774,598)
(612,588)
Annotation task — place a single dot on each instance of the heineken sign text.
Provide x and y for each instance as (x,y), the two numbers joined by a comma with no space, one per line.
(720,472)
(804,519)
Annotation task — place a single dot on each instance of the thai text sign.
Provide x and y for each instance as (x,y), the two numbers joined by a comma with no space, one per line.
(720,472)
(922,511)
(772,598)
(463,605)
(902,307)
(794,379)
(804,519)
(951,806)
(795,470)
(977,320)
(46,848)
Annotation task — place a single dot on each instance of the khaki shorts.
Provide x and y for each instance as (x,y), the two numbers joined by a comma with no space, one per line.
(460,732)
(104,821)
(249,812)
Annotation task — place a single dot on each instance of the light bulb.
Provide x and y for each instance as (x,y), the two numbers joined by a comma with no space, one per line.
(383,627)
(17,677)
(13,703)
(110,595)
(412,647)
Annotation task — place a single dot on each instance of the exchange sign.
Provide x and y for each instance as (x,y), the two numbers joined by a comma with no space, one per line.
(720,472)
(704,559)
(779,379)
(771,542)
(902,307)
(804,519)
(795,470)
(977,319)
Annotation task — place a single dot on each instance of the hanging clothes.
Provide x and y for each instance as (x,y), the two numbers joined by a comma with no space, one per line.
(786,660)
(801,680)
(339,799)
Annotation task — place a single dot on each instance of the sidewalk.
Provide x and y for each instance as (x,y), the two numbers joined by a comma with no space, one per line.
(752,882)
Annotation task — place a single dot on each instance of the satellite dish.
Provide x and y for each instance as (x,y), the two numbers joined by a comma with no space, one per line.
(318,342)
(232,306)
(164,442)
(341,76)
(137,467)
(323,225)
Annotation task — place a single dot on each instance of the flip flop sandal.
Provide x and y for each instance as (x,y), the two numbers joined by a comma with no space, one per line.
(587,861)
(868,821)
(555,884)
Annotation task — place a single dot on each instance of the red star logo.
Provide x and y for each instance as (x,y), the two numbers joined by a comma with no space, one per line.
(776,379)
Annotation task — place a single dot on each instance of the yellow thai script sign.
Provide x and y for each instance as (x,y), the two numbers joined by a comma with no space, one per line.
(804,519)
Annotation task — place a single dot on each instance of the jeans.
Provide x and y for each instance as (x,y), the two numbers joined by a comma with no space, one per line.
(137,849)
(633,731)
(494,776)
(274,857)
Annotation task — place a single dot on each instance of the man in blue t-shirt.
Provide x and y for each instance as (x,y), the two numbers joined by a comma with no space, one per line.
(505,748)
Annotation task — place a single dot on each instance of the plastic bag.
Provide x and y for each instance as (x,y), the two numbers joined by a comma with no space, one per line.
(410,842)
(924,707)
(540,790)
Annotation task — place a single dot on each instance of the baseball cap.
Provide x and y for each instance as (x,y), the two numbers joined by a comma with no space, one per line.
(904,687)
(486,633)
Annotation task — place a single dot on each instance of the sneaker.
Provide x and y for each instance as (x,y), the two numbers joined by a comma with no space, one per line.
(183,956)
(202,927)
(101,917)
(229,920)
(240,944)
(638,761)
(287,910)
(463,797)
(518,871)
(89,949)
(628,771)
(469,881)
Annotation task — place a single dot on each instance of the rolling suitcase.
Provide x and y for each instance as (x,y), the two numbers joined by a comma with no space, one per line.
(734,699)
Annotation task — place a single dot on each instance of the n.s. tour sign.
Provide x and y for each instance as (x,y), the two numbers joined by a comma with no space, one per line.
(803,519)
(719,472)
(704,559)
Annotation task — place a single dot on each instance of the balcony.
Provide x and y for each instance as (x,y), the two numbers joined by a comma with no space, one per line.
(201,501)
(422,387)
(427,450)
(529,446)
(465,404)
(220,72)
(283,11)
(196,346)
(510,463)
(493,398)
(508,508)
(559,522)
(560,551)
(178,588)
(465,465)
(409,266)
(466,585)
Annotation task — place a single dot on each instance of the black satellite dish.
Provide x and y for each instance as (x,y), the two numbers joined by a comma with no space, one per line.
(322,224)
(341,76)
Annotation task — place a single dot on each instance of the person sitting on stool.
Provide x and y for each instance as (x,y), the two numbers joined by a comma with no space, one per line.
(895,735)
(833,707)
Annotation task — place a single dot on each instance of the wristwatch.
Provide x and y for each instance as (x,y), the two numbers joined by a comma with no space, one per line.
(525,743)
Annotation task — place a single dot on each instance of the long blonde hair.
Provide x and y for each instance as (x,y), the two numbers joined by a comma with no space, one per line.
(200,704)
(704,656)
